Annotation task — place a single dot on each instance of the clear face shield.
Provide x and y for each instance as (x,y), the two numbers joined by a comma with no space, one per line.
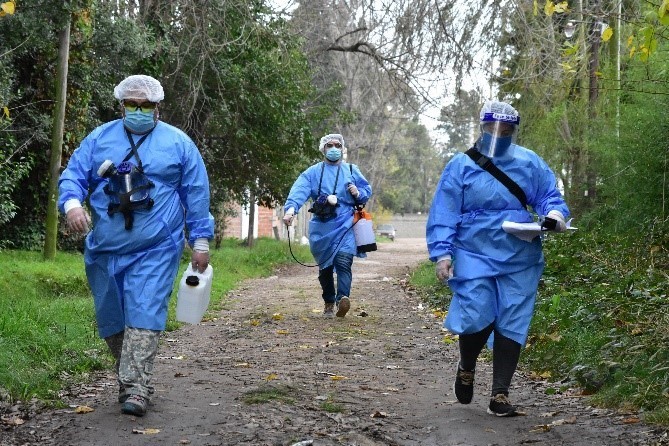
(497,136)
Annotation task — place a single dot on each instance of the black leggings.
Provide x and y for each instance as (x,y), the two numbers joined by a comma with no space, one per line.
(505,356)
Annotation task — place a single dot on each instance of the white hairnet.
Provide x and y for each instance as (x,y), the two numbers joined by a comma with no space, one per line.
(498,111)
(331,137)
(139,86)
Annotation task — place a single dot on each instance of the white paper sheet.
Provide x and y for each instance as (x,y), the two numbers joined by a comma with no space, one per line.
(527,231)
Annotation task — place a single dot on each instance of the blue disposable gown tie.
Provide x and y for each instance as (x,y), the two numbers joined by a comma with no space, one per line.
(326,238)
(132,272)
(495,274)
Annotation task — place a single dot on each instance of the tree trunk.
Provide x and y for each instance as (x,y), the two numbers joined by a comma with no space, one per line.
(51,233)
(252,214)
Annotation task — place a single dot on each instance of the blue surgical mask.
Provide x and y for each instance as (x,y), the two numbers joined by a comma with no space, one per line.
(333,154)
(493,146)
(138,121)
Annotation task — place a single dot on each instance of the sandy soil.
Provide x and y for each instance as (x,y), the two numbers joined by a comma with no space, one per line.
(380,376)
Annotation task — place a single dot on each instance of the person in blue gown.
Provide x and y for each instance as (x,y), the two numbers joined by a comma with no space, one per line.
(493,275)
(335,187)
(144,182)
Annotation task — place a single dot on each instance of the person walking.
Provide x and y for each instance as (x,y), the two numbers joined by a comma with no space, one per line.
(493,275)
(335,188)
(145,181)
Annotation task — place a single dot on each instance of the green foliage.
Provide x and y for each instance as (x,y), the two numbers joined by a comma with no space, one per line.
(633,169)
(240,88)
(234,77)
(424,280)
(460,118)
(30,36)
(47,330)
(48,334)
(411,171)
(601,315)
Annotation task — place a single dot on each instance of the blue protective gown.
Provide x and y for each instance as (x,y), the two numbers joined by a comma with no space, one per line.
(132,272)
(326,238)
(496,274)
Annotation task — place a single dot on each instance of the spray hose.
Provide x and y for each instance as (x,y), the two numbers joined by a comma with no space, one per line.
(357,208)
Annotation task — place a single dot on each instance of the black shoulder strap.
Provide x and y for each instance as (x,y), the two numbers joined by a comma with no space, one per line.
(486,164)
(134,147)
(320,182)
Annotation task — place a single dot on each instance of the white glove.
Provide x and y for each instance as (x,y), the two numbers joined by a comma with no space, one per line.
(288,216)
(561,225)
(444,269)
(353,190)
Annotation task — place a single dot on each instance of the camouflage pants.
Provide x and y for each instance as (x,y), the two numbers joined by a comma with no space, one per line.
(134,350)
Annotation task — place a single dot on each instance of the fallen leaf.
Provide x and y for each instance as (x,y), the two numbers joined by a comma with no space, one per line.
(555,337)
(539,376)
(283,332)
(8,7)
(560,422)
(337,378)
(631,420)
(255,322)
(83,409)
(149,431)
(271,376)
(277,316)
(541,428)
(439,314)
(12,421)
(378,414)
(242,364)
(180,375)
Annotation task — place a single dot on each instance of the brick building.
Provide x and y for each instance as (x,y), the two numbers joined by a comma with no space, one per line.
(267,222)
(264,222)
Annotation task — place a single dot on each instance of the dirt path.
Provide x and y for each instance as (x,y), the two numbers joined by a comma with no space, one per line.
(380,376)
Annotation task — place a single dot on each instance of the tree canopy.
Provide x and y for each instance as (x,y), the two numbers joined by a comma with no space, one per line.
(255,88)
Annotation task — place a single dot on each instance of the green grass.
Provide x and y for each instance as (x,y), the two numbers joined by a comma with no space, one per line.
(269,393)
(601,321)
(330,406)
(48,334)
